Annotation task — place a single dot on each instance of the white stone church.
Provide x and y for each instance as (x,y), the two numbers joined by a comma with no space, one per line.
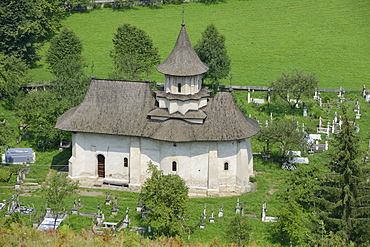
(123,125)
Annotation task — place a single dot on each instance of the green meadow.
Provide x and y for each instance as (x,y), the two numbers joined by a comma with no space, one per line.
(330,38)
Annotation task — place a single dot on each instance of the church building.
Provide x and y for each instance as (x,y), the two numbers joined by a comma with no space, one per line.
(121,126)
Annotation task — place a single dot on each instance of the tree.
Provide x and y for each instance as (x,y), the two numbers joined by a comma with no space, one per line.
(64,48)
(66,63)
(291,222)
(291,88)
(239,230)
(167,195)
(344,197)
(24,24)
(134,54)
(39,111)
(285,133)
(56,190)
(212,51)
(12,76)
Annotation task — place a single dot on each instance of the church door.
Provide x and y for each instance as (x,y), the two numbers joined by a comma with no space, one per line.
(101,166)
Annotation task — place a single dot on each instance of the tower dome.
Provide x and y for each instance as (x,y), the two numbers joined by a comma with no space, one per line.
(183,61)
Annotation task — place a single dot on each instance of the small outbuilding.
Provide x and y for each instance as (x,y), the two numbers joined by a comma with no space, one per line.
(19,156)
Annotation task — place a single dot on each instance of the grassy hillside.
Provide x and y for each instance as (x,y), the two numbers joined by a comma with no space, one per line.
(263,38)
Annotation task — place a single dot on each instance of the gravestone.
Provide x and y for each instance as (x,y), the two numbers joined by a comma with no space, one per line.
(237,208)
(212,218)
(108,199)
(126,221)
(221,210)
(139,205)
(202,225)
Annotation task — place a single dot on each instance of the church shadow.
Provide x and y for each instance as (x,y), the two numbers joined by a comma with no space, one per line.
(60,161)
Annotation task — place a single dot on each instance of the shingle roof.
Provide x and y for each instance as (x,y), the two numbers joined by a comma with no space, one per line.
(121,108)
(203,93)
(183,61)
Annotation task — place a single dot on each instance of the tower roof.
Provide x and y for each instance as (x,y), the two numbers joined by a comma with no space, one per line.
(183,61)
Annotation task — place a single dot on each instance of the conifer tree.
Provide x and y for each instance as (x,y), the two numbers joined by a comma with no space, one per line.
(134,54)
(211,50)
(344,198)
(64,49)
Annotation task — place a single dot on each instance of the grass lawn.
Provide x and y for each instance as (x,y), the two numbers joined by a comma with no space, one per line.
(263,38)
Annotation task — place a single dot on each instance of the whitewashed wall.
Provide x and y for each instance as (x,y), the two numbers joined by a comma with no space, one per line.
(200,164)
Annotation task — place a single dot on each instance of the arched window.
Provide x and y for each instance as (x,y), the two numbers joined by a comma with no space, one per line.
(226,166)
(179,87)
(125,162)
(174,166)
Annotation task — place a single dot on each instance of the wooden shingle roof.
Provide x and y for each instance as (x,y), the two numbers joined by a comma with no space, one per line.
(122,107)
(183,61)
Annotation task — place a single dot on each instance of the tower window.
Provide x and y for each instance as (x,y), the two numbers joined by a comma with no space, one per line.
(179,87)
(125,162)
(174,166)
(226,166)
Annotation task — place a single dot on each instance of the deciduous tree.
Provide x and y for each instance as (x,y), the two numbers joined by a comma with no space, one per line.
(291,88)
(12,76)
(285,133)
(291,222)
(56,190)
(134,54)
(211,50)
(25,24)
(239,230)
(167,195)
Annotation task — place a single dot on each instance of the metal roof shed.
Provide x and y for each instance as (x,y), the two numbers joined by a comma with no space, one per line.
(19,155)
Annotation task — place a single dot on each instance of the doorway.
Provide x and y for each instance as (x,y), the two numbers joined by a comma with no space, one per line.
(101,166)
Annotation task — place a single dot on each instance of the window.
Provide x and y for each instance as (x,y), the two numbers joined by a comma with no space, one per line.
(174,166)
(125,162)
(226,166)
(179,87)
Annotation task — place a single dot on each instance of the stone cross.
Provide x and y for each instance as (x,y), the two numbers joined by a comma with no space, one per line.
(221,211)
(363,91)
(212,218)
(202,224)
(305,111)
(127,211)
(237,208)
(333,127)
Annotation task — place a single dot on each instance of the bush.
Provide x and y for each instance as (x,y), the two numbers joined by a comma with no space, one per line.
(5,174)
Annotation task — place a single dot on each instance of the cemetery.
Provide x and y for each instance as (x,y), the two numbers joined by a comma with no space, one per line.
(120,210)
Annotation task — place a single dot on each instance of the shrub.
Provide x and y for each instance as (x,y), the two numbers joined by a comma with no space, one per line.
(5,175)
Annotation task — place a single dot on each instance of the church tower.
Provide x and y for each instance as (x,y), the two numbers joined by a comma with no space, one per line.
(182,94)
